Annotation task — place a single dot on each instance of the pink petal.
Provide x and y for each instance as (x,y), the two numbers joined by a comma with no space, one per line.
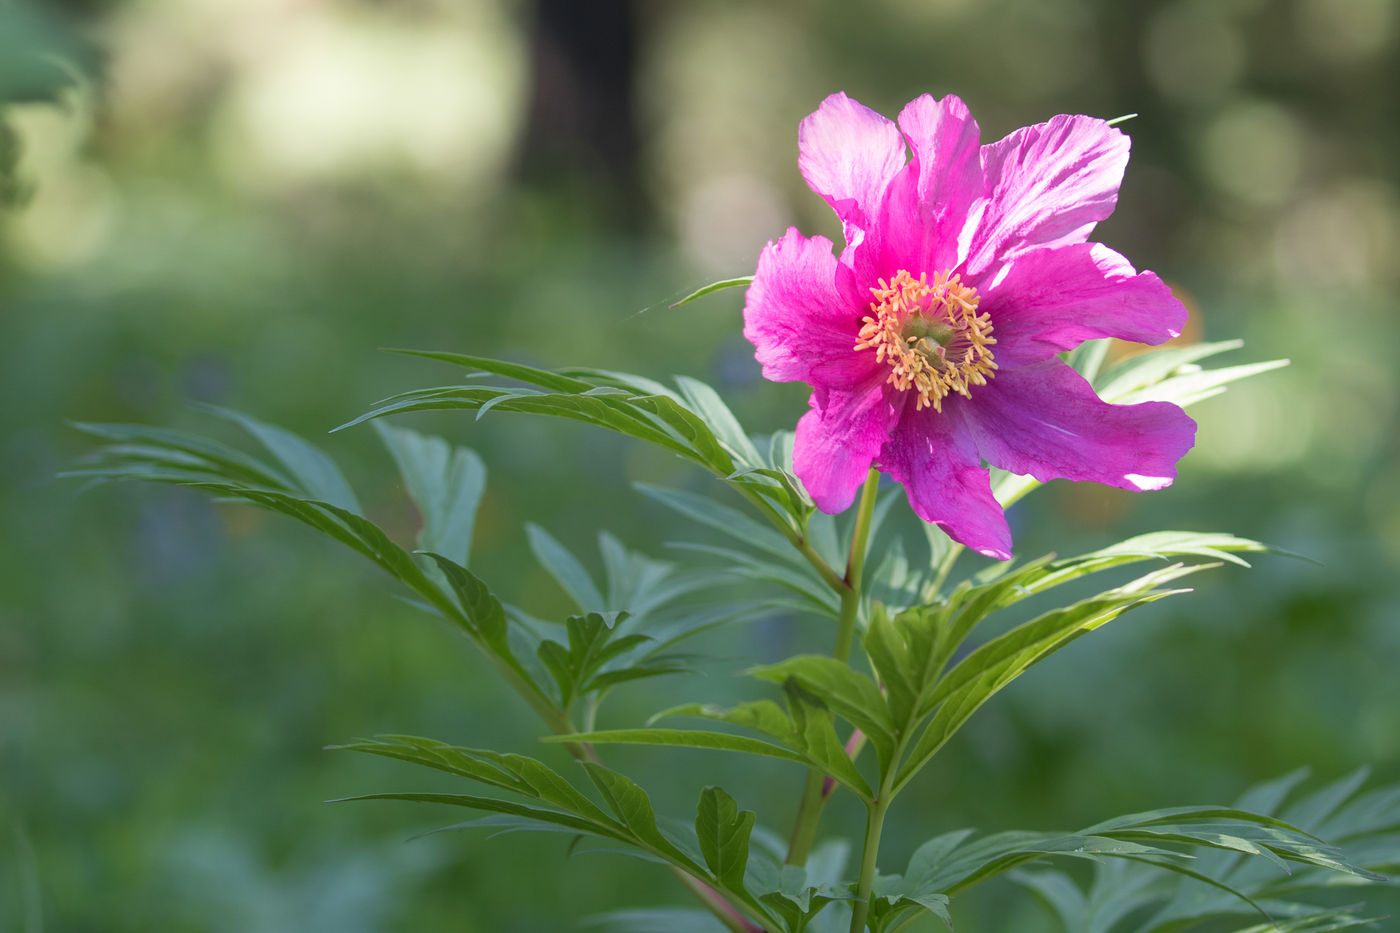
(839,438)
(933,455)
(1049,184)
(926,205)
(1051,300)
(1044,420)
(848,153)
(802,313)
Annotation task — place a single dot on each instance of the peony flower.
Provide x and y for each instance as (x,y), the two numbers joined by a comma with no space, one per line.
(931,343)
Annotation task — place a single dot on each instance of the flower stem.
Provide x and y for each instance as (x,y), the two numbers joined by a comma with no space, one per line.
(855,566)
(809,811)
(724,911)
(875,824)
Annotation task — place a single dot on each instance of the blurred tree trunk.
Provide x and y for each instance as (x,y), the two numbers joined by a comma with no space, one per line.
(581,141)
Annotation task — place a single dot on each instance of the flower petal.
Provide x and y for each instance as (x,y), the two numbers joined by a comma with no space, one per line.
(926,205)
(1045,420)
(848,153)
(1048,185)
(1051,300)
(839,438)
(934,456)
(802,314)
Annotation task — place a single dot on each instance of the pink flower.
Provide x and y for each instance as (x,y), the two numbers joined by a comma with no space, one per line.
(931,343)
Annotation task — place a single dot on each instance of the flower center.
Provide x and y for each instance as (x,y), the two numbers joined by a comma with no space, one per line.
(931,335)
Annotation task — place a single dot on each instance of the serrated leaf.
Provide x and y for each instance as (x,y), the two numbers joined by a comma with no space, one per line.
(850,695)
(723,831)
(482,608)
(633,807)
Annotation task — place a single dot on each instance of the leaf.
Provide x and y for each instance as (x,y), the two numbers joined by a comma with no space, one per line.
(720,517)
(812,741)
(314,472)
(633,807)
(483,610)
(740,282)
(723,831)
(492,805)
(139,443)
(850,695)
(591,645)
(683,738)
(1224,882)
(992,666)
(445,483)
(1088,357)
(565,569)
(515,773)
(518,371)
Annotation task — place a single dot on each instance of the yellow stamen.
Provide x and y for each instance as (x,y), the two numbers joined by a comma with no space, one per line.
(931,335)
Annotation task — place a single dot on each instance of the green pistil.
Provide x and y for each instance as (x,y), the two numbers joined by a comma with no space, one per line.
(928,331)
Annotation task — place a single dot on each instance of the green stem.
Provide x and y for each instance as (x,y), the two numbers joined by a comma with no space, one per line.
(803,546)
(809,811)
(855,567)
(875,824)
(804,830)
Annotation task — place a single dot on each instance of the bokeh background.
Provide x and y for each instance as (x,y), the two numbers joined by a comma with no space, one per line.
(237,203)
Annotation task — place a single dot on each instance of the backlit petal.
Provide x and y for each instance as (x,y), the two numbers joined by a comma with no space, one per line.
(848,153)
(926,205)
(802,314)
(1045,421)
(1048,185)
(840,437)
(1052,300)
(935,458)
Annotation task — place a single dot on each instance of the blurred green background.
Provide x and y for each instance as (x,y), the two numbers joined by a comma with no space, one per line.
(237,203)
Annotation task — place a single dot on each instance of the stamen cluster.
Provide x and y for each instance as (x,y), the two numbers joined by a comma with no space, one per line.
(931,335)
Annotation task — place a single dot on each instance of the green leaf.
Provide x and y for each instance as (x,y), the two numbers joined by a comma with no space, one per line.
(1088,358)
(811,739)
(850,695)
(723,831)
(742,281)
(1225,881)
(142,444)
(633,808)
(515,773)
(591,645)
(445,483)
(520,372)
(683,738)
(493,805)
(706,402)
(315,474)
(997,663)
(565,569)
(720,517)
(483,610)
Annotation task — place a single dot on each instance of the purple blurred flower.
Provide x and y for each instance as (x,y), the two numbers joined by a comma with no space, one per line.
(931,343)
